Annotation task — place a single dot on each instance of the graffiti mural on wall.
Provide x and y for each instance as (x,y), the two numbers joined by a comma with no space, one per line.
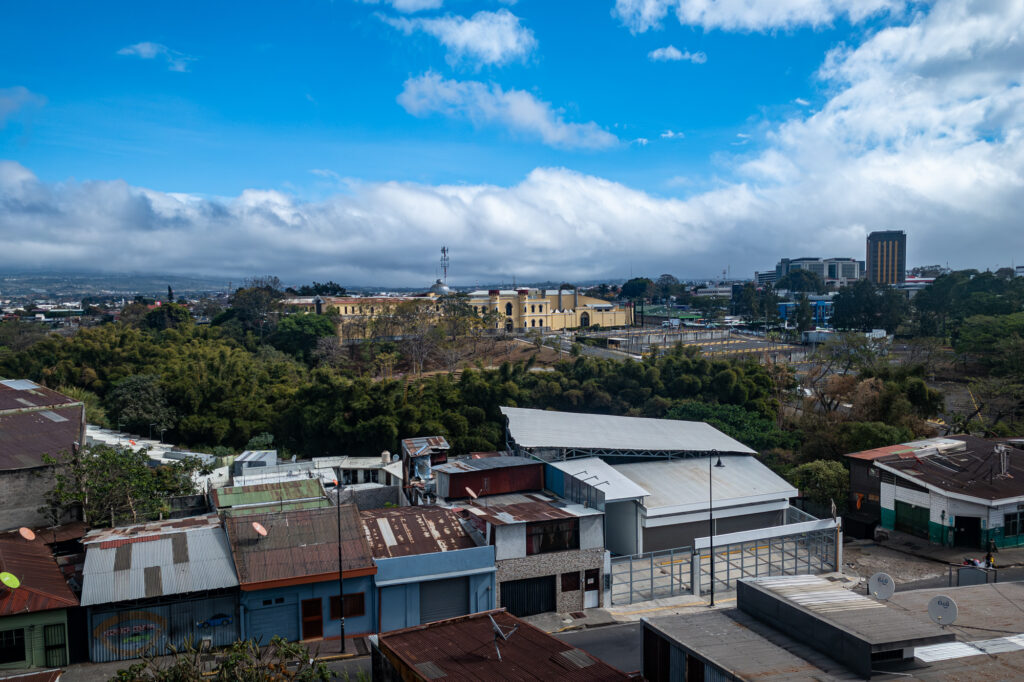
(130,633)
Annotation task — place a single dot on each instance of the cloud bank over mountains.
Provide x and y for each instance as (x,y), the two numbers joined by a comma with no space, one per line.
(921,128)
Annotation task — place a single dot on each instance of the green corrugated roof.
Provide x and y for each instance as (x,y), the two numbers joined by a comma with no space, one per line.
(266,493)
(272,506)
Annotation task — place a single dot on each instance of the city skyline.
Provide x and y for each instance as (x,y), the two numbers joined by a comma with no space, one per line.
(587,141)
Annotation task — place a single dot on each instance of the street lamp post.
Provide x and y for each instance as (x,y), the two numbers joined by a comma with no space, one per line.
(341,579)
(711,520)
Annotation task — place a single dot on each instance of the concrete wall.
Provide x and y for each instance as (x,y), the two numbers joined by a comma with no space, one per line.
(399,605)
(592,532)
(509,541)
(33,624)
(22,492)
(553,563)
(622,523)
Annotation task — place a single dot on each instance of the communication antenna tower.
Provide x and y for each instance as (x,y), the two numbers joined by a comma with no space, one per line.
(498,632)
(444,262)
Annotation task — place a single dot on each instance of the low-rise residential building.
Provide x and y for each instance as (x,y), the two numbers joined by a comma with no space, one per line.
(287,566)
(33,615)
(154,585)
(35,422)
(549,552)
(465,477)
(492,645)
(954,491)
(428,566)
(419,456)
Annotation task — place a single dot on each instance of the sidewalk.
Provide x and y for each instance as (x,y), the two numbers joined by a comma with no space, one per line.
(919,547)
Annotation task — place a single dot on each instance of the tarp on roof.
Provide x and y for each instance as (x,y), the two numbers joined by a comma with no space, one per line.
(547,429)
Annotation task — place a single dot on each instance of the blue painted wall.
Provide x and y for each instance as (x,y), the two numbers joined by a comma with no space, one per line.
(400,604)
(554,480)
(290,608)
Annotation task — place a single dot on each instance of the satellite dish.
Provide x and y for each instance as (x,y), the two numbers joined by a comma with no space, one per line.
(260,530)
(942,610)
(470,491)
(881,586)
(27,534)
(10,580)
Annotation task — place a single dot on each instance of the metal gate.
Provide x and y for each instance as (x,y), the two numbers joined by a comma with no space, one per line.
(275,620)
(440,599)
(654,575)
(55,645)
(911,519)
(529,596)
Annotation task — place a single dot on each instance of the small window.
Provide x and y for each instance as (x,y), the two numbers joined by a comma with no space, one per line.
(533,323)
(279,600)
(12,646)
(355,605)
(571,582)
(533,308)
(268,602)
(371,475)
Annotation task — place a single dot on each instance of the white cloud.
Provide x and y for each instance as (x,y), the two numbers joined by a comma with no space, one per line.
(743,15)
(18,98)
(642,141)
(802,102)
(491,38)
(176,61)
(923,131)
(672,54)
(488,103)
(408,6)
(672,135)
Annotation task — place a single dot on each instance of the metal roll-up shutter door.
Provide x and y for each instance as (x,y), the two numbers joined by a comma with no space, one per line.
(440,599)
(276,620)
(529,596)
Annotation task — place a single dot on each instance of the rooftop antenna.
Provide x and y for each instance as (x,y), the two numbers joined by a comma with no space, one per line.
(444,262)
(498,632)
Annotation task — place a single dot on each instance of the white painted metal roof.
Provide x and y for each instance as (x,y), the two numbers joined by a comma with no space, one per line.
(602,476)
(681,485)
(546,429)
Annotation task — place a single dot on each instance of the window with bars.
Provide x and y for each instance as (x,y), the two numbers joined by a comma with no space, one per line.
(12,646)
(552,536)
(1013,523)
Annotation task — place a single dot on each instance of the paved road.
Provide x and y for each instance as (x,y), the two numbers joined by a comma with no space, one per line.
(617,645)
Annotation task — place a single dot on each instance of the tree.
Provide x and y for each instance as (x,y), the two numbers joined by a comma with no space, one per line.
(804,314)
(138,404)
(299,334)
(865,306)
(330,288)
(112,485)
(802,280)
(666,285)
(167,316)
(822,481)
(638,287)
(243,661)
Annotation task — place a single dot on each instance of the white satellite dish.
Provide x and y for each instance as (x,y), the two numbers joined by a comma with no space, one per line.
(942,610)
(470,491)
(881,586)
(260,530)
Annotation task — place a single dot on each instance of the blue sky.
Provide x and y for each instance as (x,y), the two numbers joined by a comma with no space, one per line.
(783,128)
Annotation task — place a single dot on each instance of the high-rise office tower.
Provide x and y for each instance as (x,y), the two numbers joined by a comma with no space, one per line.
(887,257)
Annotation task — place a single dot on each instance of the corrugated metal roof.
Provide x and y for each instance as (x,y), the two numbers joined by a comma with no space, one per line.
(42,584)
(34,423)
(300,546)
(264,493)
(406,531)
(464,465)
(462,649)
(140,562)
(599,474)
(513,508)
(681,485)
(423,445)
(547,429)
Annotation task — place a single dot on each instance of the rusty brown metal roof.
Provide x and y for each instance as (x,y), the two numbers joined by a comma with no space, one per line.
(501,510)
(462,649)
(405,531)
(424,445)
(35,421)
(301,546)
(42,584)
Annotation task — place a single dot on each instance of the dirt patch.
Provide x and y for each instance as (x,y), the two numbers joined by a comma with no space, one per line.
(864,560)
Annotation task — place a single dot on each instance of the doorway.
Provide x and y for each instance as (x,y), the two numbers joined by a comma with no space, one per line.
(591,588)
(312,619)
(967,531)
